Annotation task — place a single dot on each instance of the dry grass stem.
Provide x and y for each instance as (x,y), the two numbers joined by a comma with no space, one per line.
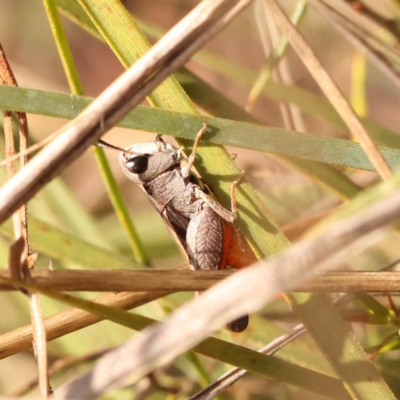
(331,90)
(172,51)
(188,281)
(7,78)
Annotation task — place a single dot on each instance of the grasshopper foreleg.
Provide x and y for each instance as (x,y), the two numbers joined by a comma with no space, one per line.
(186,169)
(228,216)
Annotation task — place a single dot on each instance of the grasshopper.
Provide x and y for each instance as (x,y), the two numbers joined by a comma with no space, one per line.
(200,225)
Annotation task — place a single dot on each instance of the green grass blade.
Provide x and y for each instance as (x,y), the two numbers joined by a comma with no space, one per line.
(328,150)
(121,33)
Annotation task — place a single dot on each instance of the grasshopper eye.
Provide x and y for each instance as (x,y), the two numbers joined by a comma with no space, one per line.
(138,164)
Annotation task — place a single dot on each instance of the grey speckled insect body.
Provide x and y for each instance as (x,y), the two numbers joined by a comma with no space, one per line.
(201,226)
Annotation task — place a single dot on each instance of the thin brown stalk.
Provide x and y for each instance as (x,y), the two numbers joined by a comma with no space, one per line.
(71,320)
(331,90)
(172,51)
(7,78)
(23,146)
(191,281)
(20,222)
(9,150)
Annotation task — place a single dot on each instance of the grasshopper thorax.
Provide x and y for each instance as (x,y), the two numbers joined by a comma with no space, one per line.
(142,162)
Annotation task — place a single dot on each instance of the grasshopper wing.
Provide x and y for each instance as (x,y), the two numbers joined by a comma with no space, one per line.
(204,240)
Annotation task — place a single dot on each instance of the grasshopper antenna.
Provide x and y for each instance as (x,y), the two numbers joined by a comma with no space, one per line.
(37,146)
(105,145)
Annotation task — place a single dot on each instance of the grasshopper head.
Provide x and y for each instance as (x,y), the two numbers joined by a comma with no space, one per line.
(142,162)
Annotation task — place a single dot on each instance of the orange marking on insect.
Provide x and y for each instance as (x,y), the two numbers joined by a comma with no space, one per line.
(236,253)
